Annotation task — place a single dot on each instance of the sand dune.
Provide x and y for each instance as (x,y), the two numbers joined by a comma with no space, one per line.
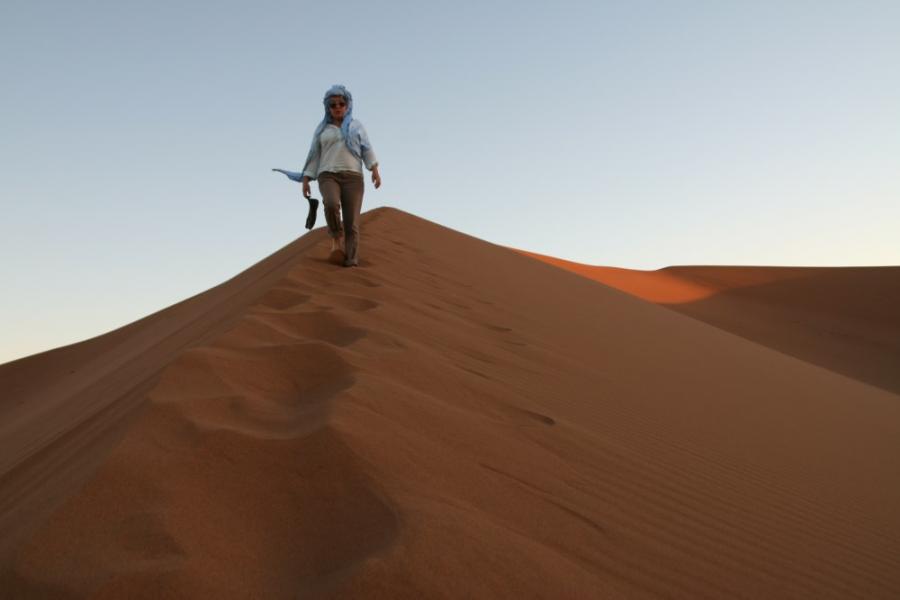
(452,419)
(845,319)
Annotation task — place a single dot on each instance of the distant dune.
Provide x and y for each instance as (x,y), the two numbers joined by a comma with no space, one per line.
(846,319)
(454,419)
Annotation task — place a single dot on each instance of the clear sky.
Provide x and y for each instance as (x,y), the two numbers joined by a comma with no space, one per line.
(138,137)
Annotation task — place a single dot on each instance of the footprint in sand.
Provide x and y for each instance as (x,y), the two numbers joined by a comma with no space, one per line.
(144,534)
(360,280)
(322,326)
(254,331)
(277,391)
(536,416)
(281,298)
(457,305)
(355,303)
(474,372)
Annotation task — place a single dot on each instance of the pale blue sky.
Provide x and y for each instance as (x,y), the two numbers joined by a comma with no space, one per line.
(138,137)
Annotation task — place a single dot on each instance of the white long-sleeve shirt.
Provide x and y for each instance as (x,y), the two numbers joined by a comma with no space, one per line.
(330,153)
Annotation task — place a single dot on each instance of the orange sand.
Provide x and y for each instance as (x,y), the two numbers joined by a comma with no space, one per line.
(452,419)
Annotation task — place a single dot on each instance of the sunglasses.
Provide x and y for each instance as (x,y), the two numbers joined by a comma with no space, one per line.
(337,104)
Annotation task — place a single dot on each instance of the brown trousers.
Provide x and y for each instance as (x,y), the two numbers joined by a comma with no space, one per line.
(342,195)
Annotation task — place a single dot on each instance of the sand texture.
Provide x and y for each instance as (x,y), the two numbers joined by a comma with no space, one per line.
(454,419)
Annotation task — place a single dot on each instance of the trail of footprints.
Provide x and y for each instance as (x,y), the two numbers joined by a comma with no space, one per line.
(272,374)
(263,389)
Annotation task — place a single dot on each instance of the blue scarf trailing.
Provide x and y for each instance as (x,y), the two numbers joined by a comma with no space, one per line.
(296,176)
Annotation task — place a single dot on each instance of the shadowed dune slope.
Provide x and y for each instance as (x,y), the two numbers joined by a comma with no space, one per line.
(845,319)
(451,419)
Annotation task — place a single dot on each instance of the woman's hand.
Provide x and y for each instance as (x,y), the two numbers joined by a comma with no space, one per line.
(306,191)
(376,178)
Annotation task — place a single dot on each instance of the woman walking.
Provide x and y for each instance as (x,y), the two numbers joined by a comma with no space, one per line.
(339,147)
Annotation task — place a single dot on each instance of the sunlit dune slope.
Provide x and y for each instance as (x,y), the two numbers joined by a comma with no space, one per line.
(452,419)
(846,319)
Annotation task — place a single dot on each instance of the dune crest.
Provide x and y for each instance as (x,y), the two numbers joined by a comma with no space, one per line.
(677,285)
(451,418)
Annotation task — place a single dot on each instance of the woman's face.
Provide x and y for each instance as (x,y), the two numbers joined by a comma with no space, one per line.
(337,107)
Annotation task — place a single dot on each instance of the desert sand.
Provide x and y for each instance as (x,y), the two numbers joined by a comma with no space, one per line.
(455,419)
